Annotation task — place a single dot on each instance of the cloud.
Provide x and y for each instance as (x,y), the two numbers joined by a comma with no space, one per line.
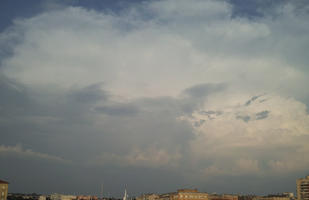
(91,93)
(120,109)
(202,90)
(151,156)
(225,142)
(164,85)
(18,150)
(251,100)
(244,118)
(262,115)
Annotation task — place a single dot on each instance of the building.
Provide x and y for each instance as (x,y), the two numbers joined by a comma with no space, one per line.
(303,188)
(4,186)
(62,197)
(20,196)
(285,196)
(148,197)
(246,197)
(42,197)
(223,197)
(184,194)
(83,197)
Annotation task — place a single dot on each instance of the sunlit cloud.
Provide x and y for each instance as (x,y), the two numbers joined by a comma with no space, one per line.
(183,86)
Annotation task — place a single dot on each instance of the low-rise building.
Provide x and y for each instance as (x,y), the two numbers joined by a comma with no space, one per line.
(84,197)
(4,187)
(62,197)
(184,194)
(223,197)
(274,197)
(148,197)
(246,197)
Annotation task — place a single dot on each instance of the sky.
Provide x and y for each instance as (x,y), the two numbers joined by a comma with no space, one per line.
(153,96)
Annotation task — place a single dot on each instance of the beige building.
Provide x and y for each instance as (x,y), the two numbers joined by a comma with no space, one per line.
(42,197)
(223,197)
(272,198)
(3,190)
(84,197)
(184,194)
(62,197)
(148,197)
(303,188)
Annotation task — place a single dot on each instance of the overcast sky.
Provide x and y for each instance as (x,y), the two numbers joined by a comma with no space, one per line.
(153,96)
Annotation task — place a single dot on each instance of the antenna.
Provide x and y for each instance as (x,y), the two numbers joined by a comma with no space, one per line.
(102,191)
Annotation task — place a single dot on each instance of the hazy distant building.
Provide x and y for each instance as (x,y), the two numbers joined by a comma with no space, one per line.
(223,197)
(3,190)
(20,196)
(284,196)
(303,188)
(62,197)
(289,194)
(83,197)
(246,197)
(148,197)
(184,194)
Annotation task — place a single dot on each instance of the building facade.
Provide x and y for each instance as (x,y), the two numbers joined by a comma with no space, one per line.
(4,186)
(62,197)
(272,198)
(184,194)
(148,197)
(223,197)
(303,188)
(88,197)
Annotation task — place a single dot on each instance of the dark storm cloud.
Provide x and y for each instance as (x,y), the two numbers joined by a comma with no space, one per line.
(199,123)
(118,109)
(90,94)
(12,9)
(211,114)
(259,8)
(13,95)
(251,100)
(245,118)
(134,140)
(66,120)
(204,89)
(262,115)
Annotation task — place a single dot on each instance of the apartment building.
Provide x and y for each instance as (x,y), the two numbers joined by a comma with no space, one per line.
(184,194)
(3,190)
(303,188)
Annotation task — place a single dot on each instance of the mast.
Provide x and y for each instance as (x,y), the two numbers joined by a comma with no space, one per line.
(125,194)
(102,191)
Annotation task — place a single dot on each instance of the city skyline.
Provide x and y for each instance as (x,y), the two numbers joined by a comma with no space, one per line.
(154,95)
(302,187)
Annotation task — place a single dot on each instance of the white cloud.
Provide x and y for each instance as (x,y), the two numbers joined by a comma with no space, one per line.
(183,43)
(237,130)
(149,58)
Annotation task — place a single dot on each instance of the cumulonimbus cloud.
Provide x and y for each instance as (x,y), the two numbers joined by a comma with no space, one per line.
(180,84)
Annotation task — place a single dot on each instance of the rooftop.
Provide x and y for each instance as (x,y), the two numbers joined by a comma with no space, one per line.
(1,181)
